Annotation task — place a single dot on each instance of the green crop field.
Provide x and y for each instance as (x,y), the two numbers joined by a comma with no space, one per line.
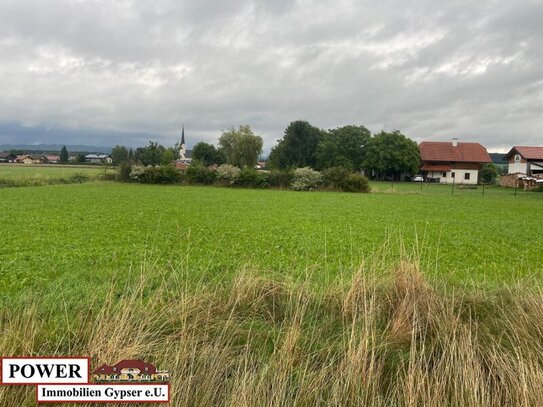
(78,234)
(24,171)
(408,295)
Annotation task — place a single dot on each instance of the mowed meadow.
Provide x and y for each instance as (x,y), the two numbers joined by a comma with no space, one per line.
(409,295)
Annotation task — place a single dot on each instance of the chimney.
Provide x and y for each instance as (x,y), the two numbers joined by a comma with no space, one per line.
(455,142)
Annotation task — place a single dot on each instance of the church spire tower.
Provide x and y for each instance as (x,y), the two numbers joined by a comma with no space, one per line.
(182,148)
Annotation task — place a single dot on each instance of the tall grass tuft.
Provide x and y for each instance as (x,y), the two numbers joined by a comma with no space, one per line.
(383,339)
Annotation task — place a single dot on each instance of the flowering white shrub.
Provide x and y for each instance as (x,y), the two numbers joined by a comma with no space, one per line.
(137,172)
(227,174)
(306,179)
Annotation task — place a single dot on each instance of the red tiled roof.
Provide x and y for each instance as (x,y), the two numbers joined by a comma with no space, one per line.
(529,153)
(126,364)
(104,369)
(430,167)
(442,151)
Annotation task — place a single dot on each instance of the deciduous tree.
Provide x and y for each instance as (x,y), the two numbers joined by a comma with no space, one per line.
(207,154)
(119,154)
(298,147)
(344,146)
(151,154)
(241,147)
(489,173)
(390,154)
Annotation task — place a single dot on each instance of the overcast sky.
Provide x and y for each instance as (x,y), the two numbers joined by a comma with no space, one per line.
(120,72)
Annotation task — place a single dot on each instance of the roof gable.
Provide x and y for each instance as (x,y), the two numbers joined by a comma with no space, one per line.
(442,151)
(529,153)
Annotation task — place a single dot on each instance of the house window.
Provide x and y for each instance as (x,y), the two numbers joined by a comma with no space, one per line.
(452,174)
(517,157)
(444,174)
(466,176)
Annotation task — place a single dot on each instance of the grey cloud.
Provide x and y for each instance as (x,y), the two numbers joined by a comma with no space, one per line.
(431,69)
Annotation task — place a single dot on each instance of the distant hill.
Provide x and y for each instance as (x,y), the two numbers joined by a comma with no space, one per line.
(498,158)
(41,148)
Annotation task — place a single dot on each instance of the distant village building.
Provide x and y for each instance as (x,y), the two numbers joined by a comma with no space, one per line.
(50,159)
(448,162)
(98,158)
(7,158)
(185,156)
(525,160)
(28,159)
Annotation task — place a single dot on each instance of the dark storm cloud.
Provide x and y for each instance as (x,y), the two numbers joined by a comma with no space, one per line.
(120,71)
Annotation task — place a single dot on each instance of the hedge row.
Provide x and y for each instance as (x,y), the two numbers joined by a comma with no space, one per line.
(300,179)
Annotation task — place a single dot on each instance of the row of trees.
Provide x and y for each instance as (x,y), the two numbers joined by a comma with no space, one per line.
(304,145)
(152,154)
(352,147)
(239,147)
(385,154)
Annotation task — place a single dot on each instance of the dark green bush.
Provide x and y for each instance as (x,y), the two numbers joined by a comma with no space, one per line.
(164,174)
(123,173)
(342,179)
(198,174)
(7,183)
(335,177)
(251,178)
(280,179)
(107,176)
(78,178)
(355,183)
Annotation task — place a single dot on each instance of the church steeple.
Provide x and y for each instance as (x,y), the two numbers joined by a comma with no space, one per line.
(182,149)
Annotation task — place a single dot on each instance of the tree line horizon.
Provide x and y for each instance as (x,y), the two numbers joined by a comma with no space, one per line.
(353,147)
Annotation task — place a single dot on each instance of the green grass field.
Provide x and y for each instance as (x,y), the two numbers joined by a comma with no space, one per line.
(257,297)
(77,234)
(23,171)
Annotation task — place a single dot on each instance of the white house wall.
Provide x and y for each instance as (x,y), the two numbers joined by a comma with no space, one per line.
(459,176)
(518,167)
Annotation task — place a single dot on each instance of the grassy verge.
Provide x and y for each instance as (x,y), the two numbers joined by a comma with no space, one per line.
(386,337)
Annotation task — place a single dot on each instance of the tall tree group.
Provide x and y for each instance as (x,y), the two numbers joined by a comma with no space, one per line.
(352,147)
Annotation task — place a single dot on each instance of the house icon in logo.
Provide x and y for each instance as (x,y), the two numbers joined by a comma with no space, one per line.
(130,371)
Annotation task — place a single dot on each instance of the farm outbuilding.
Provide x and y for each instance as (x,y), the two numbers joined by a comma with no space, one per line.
(525,160)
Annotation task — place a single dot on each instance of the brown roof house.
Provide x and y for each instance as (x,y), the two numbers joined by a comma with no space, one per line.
(50,159)
(7,157)
(130,371)
(525,160)
(448,162)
